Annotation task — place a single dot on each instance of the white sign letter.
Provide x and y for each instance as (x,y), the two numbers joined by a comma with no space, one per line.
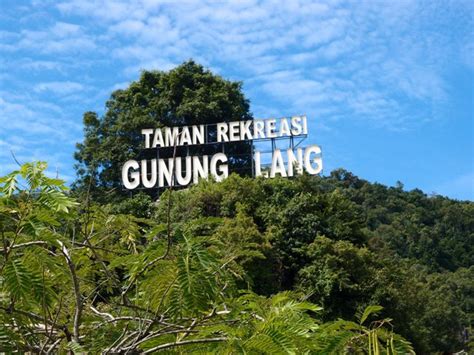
(198,134)
(135,175)
(234,131)
(222,132)
(200,170)
(284,128)
(223,168)
(147,133)
(185,136)
(271,126)
(183,181)
(158,139)
(293,160)
(296,125)
(278,166)
(317,160)
(148,183)
(258,165)
(245,130)
(258,126)
(165,171)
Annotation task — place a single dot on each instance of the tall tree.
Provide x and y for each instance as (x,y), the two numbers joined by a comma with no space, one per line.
(186,95)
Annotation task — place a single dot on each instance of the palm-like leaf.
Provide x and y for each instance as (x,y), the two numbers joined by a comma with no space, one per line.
(368,311)
(24,284)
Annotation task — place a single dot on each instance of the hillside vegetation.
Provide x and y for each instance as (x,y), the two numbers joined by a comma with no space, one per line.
(319,265)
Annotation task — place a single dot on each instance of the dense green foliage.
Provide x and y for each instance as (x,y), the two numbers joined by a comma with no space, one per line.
(186,95)
(348,243)
(78,277)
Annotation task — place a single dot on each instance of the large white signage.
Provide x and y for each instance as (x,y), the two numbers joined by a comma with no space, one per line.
(182,171)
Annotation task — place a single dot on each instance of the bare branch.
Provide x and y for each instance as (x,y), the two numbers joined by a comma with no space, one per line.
(184,342)
(111,319)
(14,157)
(77,293)
(154,335)
(94,247)
(117,340)
(53,346)
(37,318)
(102,314)
(27,244)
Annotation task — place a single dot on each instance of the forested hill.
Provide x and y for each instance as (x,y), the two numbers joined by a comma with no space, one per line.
(346,242)
(436,231)
(323,265)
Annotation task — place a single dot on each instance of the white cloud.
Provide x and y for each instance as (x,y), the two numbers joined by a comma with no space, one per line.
(106,10)
(128,27)
(34,130)
(63,29)
(39,65)
(336,54)
(62,37)
(352,50)
(27,118)
(378,62)
(59,87)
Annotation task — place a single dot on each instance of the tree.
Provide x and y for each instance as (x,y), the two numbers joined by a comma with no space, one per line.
(82,279)
(304,217)
(186,95)
(339,276)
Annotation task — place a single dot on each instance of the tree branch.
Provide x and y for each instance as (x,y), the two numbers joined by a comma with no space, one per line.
(111,319)
(77,293)
(168,230)
(51,348)
(22,245)
(38,318)
(184,342)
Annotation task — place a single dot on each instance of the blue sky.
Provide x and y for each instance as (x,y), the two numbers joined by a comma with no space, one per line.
(387,86)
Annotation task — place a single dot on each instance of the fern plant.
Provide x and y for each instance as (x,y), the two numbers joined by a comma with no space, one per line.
(341,336)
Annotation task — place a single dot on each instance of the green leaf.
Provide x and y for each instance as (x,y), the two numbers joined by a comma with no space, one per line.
(6,338)
(368,311)
(9,183)
(56,200)
(24,284)
(75,347)
(17,279)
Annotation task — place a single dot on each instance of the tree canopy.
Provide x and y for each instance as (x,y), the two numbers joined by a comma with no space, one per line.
(185,95)
(79,278)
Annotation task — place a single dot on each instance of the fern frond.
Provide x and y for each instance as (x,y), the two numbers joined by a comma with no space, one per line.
(24,284)
(17,279)
(368,311)
(8,183)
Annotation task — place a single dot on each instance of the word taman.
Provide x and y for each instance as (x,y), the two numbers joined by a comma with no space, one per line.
(182,171)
